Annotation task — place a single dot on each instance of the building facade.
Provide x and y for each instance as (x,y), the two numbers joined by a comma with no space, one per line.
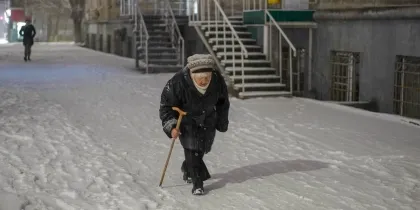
(369,52)
(361,53)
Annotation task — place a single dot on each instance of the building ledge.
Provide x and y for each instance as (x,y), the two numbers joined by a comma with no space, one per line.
(377,13)
(252,17)
(113,21)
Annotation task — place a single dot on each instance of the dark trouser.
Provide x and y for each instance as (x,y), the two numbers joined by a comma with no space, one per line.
(195,165)
(28,50)
(27,43)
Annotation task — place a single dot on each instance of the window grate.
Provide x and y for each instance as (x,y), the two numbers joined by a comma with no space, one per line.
(407,86)
(345,76)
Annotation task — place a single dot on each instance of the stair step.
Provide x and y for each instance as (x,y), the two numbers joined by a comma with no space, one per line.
(160,38)
(165,56)
(253,94)
(158,49)
(253,85)
(236,17)
(152,17)
(237,55)
(156,27)
(241,27)
(224,62)
(160,44)
(154,21)
(216,47)
(159,33)
(228,34)
(259,86)
(248,69)
(153,68)
(248,77)
(233,22)
(213,25)
(220,40)
(164,61)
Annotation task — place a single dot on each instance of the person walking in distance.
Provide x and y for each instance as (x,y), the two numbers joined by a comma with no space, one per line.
(201,91)
(28,33)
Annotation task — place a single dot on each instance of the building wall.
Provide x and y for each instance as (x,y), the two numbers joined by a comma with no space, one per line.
(346,4)
(102,10)
(193,43)
(103,20)
(379,36)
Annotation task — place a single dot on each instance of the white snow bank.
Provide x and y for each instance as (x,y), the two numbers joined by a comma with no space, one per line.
(383,116)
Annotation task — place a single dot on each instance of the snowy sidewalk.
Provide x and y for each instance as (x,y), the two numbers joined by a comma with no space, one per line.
(80,130)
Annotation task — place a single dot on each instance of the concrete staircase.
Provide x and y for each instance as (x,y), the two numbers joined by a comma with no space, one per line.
(163,55)
(260,79)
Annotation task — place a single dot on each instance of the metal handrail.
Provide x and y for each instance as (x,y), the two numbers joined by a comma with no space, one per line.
(181,41)
(244,51)
(292,48)
(281,31)
(143,28)
(203,18)
(231,27)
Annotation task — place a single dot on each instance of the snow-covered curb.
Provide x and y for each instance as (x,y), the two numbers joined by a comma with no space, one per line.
(383,116)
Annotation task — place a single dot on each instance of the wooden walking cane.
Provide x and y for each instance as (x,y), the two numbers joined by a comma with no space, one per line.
(178,123)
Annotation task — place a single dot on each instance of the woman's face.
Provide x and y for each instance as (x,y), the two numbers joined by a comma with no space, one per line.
(202,79)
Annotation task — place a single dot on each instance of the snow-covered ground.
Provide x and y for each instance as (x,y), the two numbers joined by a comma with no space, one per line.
(80,130)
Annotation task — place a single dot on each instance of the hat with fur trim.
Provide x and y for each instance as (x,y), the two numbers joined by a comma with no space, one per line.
(200,63)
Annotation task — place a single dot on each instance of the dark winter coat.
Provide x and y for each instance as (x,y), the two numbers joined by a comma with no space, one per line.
(28,32)
(205,113)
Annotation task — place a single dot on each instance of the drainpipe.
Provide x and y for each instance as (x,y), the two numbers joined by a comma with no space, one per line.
(310,59)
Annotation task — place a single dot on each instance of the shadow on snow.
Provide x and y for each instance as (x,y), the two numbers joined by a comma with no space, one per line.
(242,174)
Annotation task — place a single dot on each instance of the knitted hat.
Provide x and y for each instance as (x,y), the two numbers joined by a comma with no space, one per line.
(200,63)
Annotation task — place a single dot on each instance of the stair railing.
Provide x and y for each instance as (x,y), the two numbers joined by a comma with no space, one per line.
(234,39)
(176,37)
(141,37)
(254,4)
(215,19)
(292,49)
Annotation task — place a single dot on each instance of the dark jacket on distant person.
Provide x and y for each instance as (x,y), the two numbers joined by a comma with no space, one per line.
(28,32)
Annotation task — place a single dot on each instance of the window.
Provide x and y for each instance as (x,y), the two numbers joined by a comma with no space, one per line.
(126,7)
(407,86)
(344,76)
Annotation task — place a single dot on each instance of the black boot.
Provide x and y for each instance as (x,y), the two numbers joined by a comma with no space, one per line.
(185,175)
(25,58)
(198,188)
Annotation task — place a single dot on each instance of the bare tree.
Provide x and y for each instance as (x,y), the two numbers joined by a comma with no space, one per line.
(49,6)
(76,9)
(50,10)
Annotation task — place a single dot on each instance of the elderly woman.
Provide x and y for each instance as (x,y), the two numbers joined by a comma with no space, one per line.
(201,91)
